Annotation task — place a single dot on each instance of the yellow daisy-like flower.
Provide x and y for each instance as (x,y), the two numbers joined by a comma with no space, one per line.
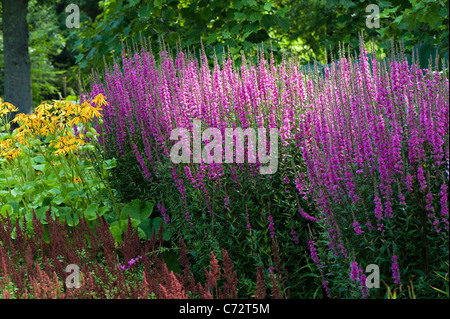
(6,108)
(66,149)
(99,100)
(90,112)
(21,118)
(66,144)
(8,150)
(77,180)
(21,136)
(12,154)
(5,144)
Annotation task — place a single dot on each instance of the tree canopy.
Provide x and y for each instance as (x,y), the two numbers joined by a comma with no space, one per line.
(309,28)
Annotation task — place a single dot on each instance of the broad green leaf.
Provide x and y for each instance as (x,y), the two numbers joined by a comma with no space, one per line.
(110,163)
(116,231)
(91,212)
(255,16)
(137,209)
(7,210)
(240,15)
(250,2)
(39,159)
(40,167)
(238,5)
(17,192)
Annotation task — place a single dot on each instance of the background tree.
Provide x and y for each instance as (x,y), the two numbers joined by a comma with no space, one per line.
(308,27)
(51,52)
(17,70)
(235,25)
(316,25)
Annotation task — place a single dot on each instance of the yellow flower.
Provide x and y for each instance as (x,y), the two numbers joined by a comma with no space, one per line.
(90,112)
(99,100)
(66,149)
(4,144)
(8,150)
(6,108)
(66,144)
(12,154)
(21,118)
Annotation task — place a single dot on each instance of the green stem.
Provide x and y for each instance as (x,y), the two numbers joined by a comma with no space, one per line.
(63,186)
(24,198)
(106,182)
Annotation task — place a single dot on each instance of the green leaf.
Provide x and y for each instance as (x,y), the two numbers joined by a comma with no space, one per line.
(54,191)
(116,231)
(284,23)
(7,210)
(211,38)
(79,57)
(235,30)
(58,200)
(134,2)
(246,34)
(110,163)
(158,4)
(29,187)
(171,260)
(17,192)
(137,209)
(255,16)
(40,167)
(238,4)
(240,15)
(250,3)
(91,212)
(38,159)
(398,19)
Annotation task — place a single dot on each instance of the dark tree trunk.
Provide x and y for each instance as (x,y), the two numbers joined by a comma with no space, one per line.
(17,59)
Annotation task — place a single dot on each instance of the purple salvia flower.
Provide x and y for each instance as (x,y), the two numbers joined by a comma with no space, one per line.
(306,216)
(294,237)
(271,226)
(354,272)
(130,263)
(444,205)
(357,228)
(362,282)
(378,208)
(313,251)
(163,212)
(421,178)
(227,203)
(395,270)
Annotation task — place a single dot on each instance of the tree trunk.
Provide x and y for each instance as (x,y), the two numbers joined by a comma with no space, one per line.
(17,81)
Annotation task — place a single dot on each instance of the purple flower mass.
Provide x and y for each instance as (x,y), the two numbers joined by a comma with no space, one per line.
(353,113)
(370,136)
